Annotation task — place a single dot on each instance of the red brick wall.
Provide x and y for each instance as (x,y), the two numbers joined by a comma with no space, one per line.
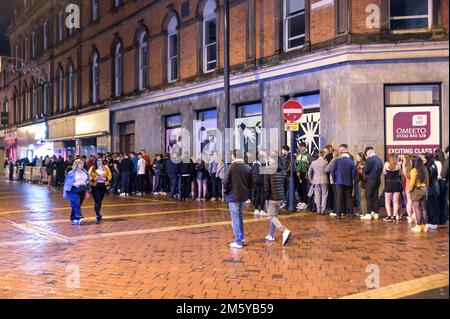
(359,16)
(322,23)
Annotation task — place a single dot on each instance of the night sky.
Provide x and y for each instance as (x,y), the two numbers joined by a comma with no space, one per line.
(6,12)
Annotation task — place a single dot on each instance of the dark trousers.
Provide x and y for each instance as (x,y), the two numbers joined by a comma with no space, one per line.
(372,188)
(125,176)
(185,189)
(330,198)
(11,174)
(432,206)
(133,181)
(116,180)
(141,183)
(98,193)
(173,180)
(76,196)
(258,199)
(158,183)
(344,199)
(303,188)
(443,201)
(214,185)
(21,172)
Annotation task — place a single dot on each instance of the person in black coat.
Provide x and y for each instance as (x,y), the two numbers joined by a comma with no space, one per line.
(185,168)
(173,170)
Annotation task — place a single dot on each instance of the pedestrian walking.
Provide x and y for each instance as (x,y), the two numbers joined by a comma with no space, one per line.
(100,176)
(274,185)
(75,188)
(418,188)
(373,168)
(392,188)
(319,179)
(237,183)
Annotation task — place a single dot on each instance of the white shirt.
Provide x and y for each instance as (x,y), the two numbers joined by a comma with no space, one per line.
(101,173)
(141,166)
(80,178)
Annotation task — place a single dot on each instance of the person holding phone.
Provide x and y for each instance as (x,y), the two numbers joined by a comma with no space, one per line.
(100,177)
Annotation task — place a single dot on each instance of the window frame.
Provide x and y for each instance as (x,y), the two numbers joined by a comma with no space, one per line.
(95,10)
(286,19)
(33,45)
(176,58)
(60,90)
(206,20)
(45,36)
(60,27)
(118,70)
(70,86)
(143,56)
(95,78)
(429,17)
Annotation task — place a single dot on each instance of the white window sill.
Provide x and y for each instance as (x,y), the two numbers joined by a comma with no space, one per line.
(293,49)
(410,31)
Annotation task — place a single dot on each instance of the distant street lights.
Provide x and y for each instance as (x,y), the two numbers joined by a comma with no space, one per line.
(16,65)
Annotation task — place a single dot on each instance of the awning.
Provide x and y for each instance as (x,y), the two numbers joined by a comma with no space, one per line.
(92,124)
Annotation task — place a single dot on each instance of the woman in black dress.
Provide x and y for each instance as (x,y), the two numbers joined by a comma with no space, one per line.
(392,188)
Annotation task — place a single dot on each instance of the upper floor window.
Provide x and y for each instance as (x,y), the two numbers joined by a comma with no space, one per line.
(95,10)
(410,14)
(27,53)
(70,85)
(60,26)
(45,36)
(95,78)
(44,97)
(33,45)
(142,60)
(59,90)
(17,56)
(294,24)
(24,102)
(209,36)
(118,66)
(33,101)
(172,49)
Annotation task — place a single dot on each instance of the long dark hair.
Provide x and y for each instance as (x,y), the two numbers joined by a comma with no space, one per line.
(439,156)
(421,169)
(96,164)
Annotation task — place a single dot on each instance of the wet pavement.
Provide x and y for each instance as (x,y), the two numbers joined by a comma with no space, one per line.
(150,247)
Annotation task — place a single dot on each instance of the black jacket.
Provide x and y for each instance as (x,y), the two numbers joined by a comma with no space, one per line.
(238,182)
(186,166)
(172,168)
(274,185)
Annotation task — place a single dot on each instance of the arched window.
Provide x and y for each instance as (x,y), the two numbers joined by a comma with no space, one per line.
(95,10)
(45,36)
(59,90)
(172,49)
(95,77)
(33,45)
(27,53)
(60,26)
(44,97)
(142,60)
(24,102)
(70,85)
(209,36)
(294,24)
(33,101)
(16,105)
(118,69)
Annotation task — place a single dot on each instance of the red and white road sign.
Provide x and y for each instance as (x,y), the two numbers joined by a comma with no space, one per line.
(292,111)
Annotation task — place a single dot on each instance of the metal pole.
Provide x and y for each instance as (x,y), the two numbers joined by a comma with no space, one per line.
(226,22)
(291,207)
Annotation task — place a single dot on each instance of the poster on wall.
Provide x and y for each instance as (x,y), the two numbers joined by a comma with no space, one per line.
(248,134)
(205,137)
(173,140)
(412,130)
(309,132)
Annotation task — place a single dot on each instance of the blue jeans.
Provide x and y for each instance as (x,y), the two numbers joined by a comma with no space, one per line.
(126,182)
(237,221)
(76,196)
(173,184)
(158,184)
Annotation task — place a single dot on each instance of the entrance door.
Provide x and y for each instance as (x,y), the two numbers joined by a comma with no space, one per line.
(127,136)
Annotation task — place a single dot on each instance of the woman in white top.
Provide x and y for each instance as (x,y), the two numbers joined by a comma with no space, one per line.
(75,186)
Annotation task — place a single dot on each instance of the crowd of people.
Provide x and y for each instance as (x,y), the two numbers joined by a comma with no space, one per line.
(328,182)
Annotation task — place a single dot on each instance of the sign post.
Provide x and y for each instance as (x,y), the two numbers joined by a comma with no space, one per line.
(292,111)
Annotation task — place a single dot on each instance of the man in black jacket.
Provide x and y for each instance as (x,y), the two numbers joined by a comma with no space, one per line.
(238,181)
(274,192)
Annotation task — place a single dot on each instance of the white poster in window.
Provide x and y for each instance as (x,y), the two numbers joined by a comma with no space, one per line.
(412,130)
(248,134)
(205,137)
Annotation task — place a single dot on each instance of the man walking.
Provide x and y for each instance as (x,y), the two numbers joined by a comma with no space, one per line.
(238,181)
(373,169)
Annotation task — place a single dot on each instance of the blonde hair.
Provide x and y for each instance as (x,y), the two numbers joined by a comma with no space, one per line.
(393,162)
(75,164)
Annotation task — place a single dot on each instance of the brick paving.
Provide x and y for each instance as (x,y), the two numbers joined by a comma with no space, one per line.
(149,247)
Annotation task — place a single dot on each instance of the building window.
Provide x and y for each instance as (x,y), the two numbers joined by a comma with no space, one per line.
(15,107)
(209,36)
(118,67)
(27,53)
(412,118)
(17,57)
(294,24)
(44,97)
(70,86)
(33,101)
(60,27)
(142,60)
(95,10)
(173,134)
(59,90)
(172,49)
(410,14)
(33,45)
(205,135)
(24,102)
(95,77)
(341,16)
(45,36)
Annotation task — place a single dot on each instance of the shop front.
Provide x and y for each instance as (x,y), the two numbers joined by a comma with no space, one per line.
(92,133)
(32,142)
(62,133)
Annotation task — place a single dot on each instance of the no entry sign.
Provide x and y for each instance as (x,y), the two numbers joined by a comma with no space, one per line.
(292,111)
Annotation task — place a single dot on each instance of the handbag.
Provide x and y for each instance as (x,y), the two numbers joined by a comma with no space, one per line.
(418,194)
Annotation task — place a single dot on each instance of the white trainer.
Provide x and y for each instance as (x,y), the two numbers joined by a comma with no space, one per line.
(286,235)
(256,213)
(367,217)
(270,238)
(235,245)
(432,226)
(262,213)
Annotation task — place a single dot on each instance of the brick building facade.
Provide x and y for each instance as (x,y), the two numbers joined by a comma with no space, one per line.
(136,73)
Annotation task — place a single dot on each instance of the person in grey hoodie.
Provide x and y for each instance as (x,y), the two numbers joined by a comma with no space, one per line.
(319,179)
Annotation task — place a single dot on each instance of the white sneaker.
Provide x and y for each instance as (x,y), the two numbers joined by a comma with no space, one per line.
(286,235)
(127,194)
(248,201)
(163,193)
(367,217)
(198,199)
(122,194)
(270,238)
(432,226)
(282,206)
(235,245)
(375,215)
(213,198)
(333,214)
(256,213)
(262,213)
(410,220)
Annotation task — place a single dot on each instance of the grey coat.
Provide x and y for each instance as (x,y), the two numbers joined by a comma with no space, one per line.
(316,173)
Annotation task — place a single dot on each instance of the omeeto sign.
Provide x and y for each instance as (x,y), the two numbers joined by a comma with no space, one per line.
(413,130)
